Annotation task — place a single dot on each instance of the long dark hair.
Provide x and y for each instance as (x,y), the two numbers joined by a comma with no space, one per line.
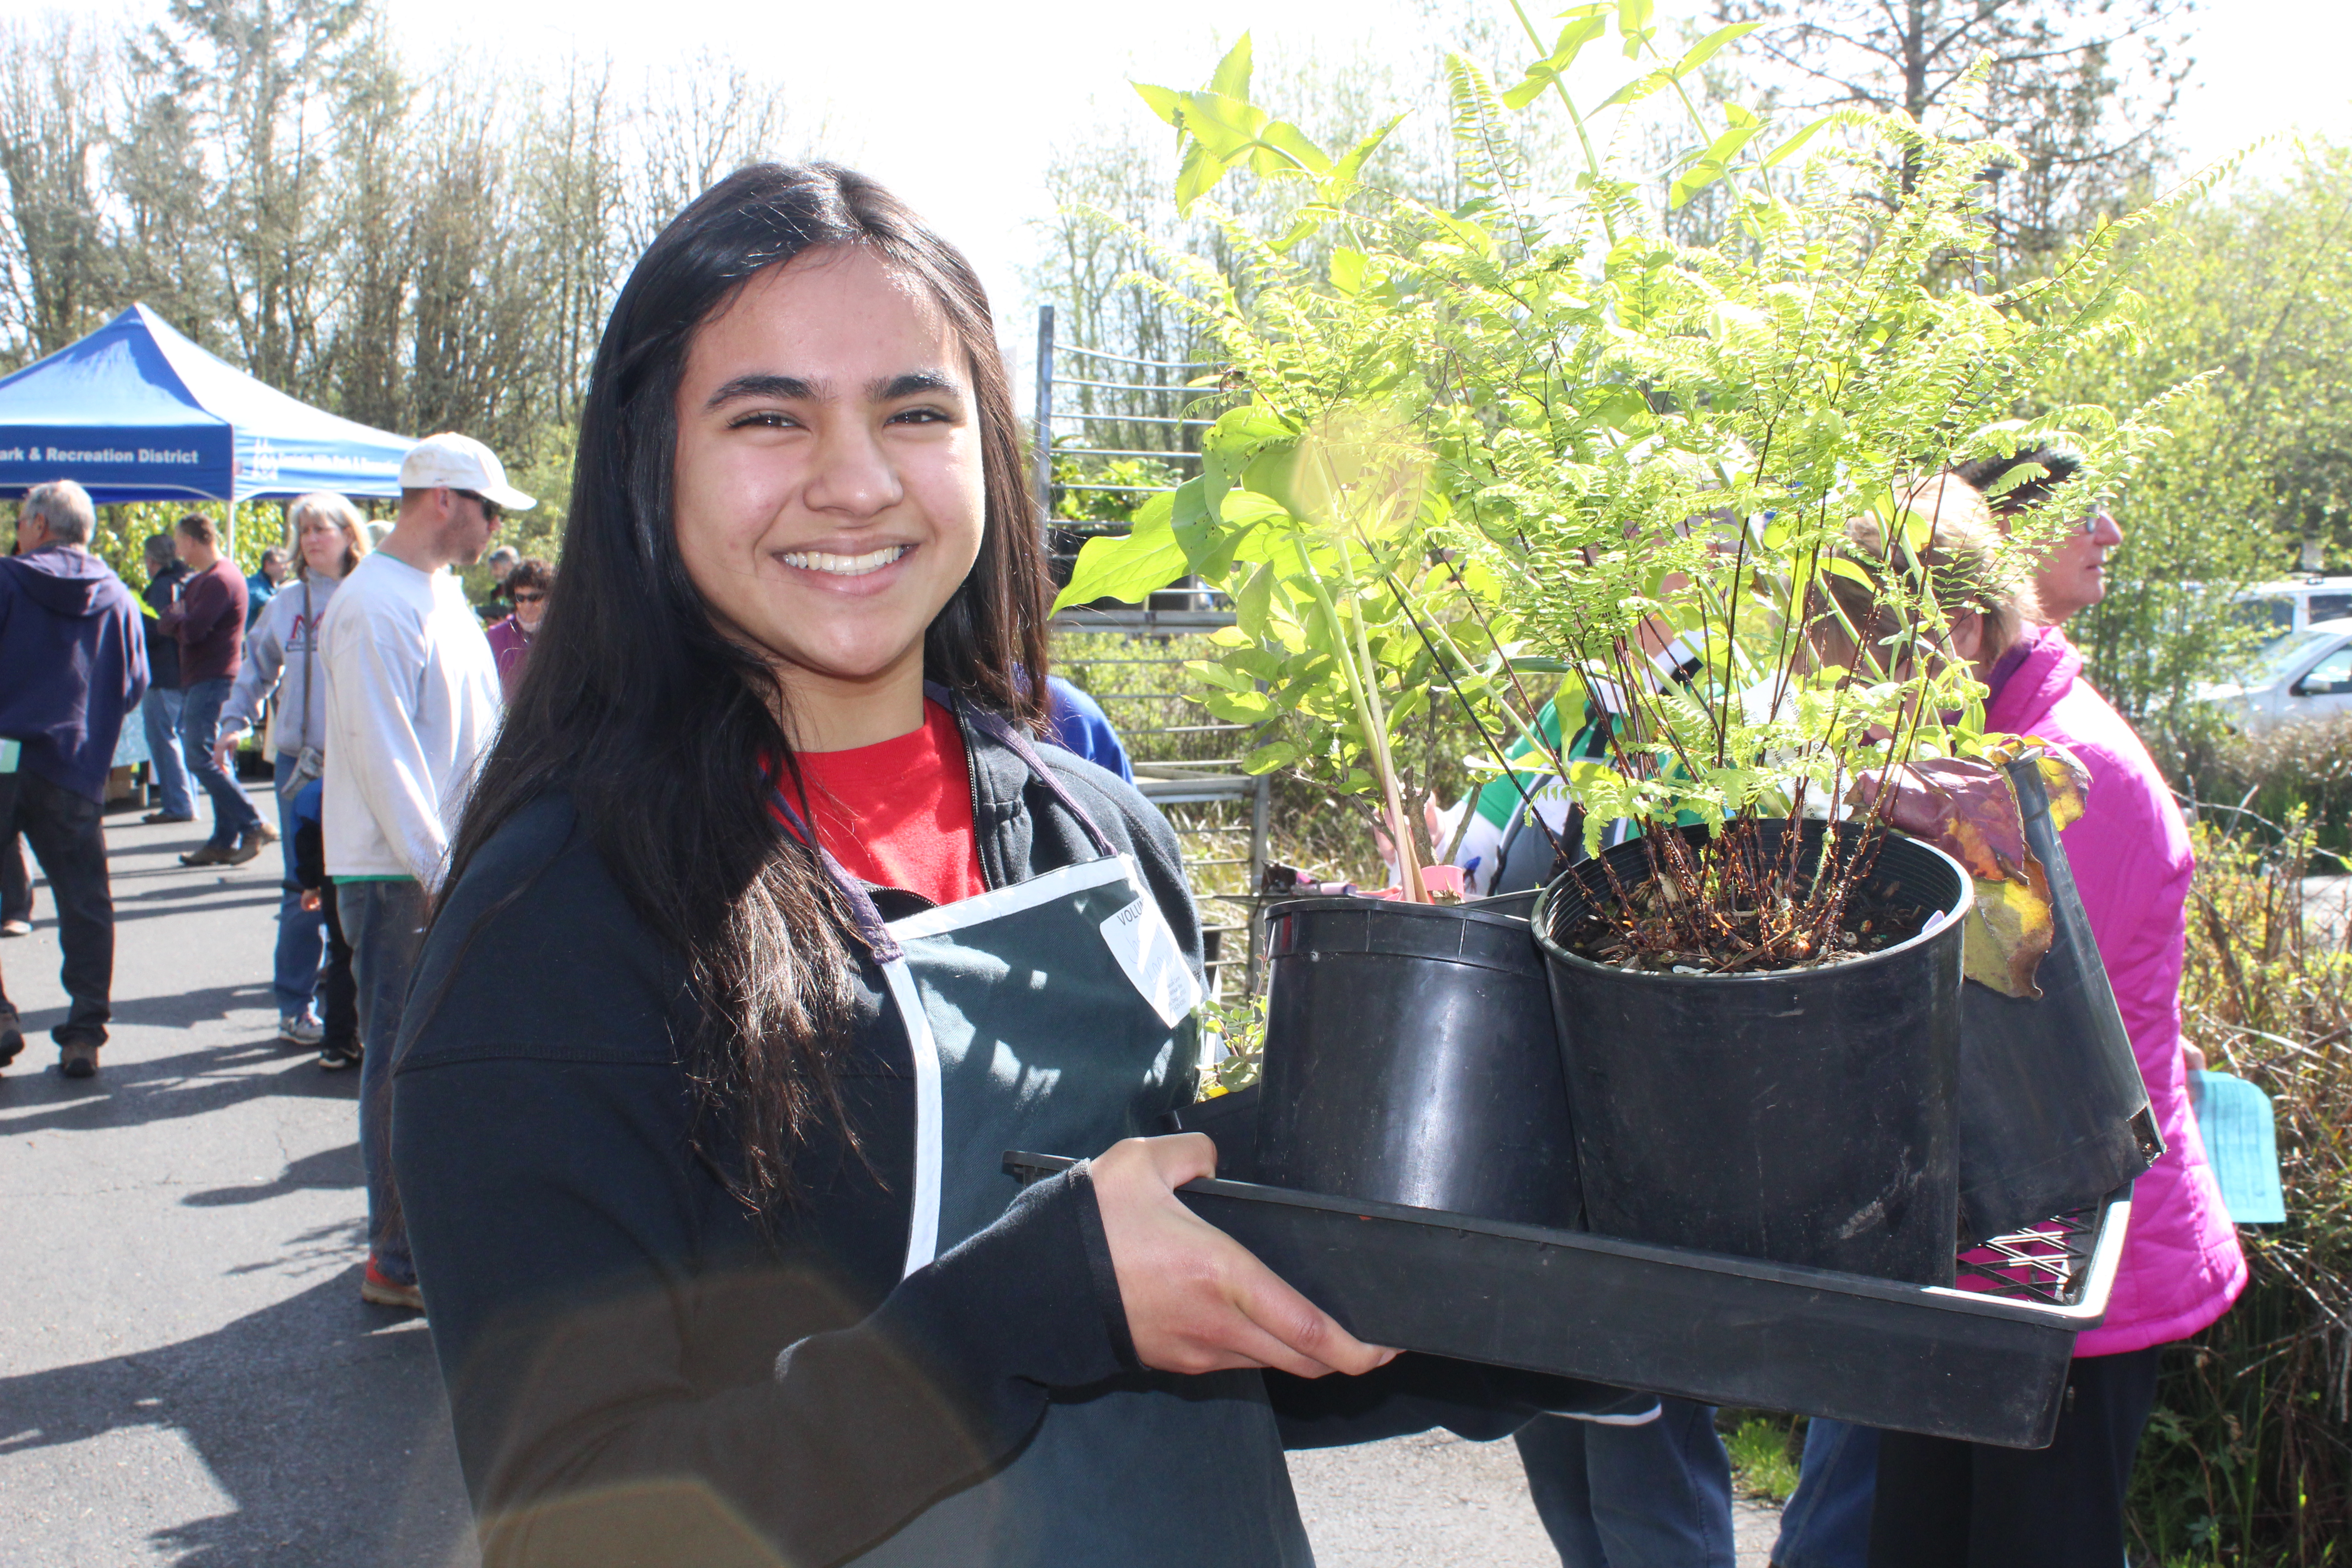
(659,726)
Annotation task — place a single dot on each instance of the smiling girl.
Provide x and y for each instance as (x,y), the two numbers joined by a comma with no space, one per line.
(722,1262)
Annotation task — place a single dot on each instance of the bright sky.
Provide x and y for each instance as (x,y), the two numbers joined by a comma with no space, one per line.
(957,105)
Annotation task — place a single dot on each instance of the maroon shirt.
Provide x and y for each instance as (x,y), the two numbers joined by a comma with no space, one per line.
(209,622)
(512,644)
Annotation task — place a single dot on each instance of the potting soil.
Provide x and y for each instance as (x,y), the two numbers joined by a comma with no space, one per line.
(1641,934)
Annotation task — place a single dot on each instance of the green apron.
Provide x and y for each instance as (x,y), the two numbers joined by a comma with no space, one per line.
(1053,1016)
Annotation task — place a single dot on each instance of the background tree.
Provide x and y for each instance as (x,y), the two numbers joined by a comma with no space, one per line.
(699,121)
(2081,88)
(2251,285)
(258,78)
(397,240)
(59,271)
(574,194)
(162,233)
(374,260)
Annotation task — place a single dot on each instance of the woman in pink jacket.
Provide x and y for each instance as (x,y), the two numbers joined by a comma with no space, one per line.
(1942,1502)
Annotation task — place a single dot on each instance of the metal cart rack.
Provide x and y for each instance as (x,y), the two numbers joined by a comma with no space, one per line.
(1102,408)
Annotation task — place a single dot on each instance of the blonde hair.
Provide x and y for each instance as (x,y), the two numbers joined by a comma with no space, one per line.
(1965,565)
(330,507)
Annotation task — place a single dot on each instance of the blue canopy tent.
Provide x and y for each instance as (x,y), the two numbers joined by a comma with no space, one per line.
(134,412)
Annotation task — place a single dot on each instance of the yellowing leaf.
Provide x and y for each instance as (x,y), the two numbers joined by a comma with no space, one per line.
(1968,809)
(2009,928)
(2065,779)
(2068,784)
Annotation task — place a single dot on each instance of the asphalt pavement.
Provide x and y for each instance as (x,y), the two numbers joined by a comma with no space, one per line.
(187,1373)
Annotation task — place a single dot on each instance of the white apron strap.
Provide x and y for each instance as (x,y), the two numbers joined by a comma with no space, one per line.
(923,1218)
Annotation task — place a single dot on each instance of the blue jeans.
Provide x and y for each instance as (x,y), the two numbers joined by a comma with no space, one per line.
(159,711)
(1826,1523)
(384,922)
(1654,1496)
(200,710)
(302,933)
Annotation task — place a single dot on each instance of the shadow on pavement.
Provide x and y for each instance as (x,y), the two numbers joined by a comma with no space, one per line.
(328,1169)
(186,1009)
(185,887)
(160,1088)
(181,1010)
(124,916)
(346,1460)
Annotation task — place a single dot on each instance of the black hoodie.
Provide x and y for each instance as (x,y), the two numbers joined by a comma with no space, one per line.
(637,1375)
(76,661)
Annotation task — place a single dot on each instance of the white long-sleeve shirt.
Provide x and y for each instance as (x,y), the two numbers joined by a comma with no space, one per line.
(412,705)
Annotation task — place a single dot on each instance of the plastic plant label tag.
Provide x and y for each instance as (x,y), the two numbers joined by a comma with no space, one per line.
(2240,1137)
(1139,937)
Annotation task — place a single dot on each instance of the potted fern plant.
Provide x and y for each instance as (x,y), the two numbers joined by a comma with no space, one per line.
(1557,434)
(1408,1053)
(1760,996)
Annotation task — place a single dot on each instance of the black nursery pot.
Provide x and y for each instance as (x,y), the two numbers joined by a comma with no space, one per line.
(1231,1122)
(1408,1059)
(2053,1114)
(1804,1117)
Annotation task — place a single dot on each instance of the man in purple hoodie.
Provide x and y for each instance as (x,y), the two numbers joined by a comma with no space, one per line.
(77,662)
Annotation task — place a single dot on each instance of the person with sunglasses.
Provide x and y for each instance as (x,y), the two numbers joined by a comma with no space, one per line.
(526,587)
(412,700)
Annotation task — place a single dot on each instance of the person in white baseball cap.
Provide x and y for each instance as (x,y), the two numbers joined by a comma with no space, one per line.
(459,463)
(413,699)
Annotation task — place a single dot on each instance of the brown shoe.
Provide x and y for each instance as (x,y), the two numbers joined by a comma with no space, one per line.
(77,1059)
(251,842)
(212,855)
(12,1038)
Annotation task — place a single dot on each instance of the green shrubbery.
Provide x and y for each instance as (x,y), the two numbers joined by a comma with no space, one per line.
(2249,1455)
(2296,768)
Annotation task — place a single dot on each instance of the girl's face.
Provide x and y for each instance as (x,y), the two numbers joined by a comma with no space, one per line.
(323,547)
(829,496)
(530,607)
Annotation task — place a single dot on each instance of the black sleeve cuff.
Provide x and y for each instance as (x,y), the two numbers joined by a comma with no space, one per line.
(1031,1303)
(1103,1272)
(1415,1393)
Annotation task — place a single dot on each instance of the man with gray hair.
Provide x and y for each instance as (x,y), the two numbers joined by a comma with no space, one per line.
(498,602)
(77,662)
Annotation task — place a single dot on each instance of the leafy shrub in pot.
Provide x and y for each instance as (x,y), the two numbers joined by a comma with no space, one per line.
(1706,486)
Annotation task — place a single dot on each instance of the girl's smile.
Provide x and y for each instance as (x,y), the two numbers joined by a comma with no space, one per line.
(829,496)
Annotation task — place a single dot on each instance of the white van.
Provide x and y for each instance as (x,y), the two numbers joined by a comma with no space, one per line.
(2302,676)
(2293,604)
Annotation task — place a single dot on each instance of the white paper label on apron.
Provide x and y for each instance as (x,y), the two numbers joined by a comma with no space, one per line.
(1139,937)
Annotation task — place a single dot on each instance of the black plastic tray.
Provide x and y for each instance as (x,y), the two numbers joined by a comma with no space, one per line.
(1982,1365)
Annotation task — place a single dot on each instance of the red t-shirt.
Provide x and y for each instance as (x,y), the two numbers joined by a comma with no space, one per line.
(899,812)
